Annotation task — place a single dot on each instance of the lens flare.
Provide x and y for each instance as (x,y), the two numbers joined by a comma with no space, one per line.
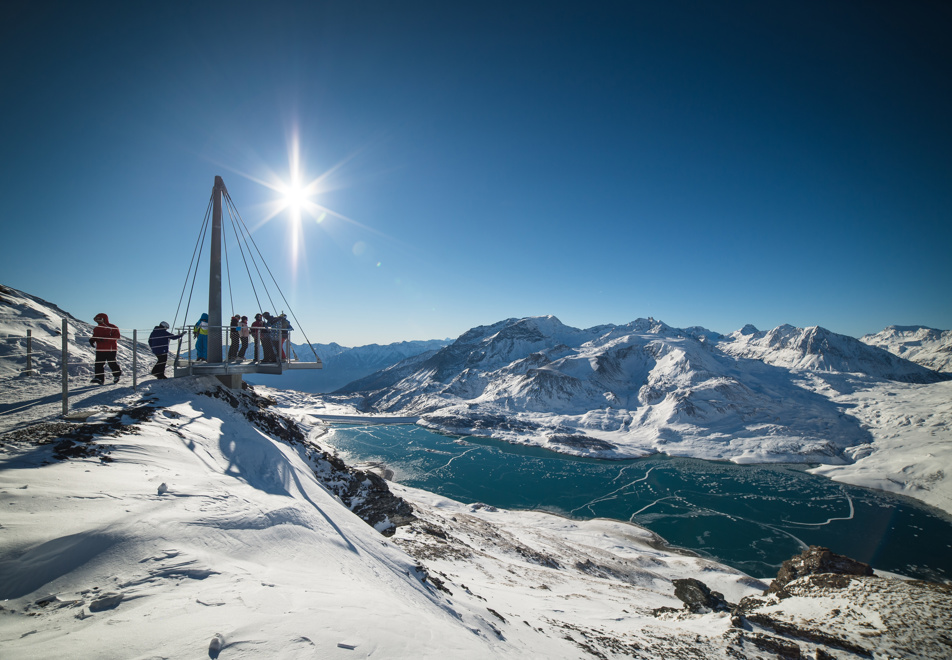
(295,200)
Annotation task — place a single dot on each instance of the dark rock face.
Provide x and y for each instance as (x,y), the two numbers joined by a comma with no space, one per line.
(578,441)
(776,646)
(364,493)
(698,598)
(815,560)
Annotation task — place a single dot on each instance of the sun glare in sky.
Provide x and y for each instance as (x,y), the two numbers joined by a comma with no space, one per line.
(296,200)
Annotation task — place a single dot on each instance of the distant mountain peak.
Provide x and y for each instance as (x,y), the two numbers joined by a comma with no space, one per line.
(927,346)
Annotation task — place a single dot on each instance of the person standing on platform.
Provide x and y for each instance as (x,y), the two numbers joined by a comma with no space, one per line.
(243,332)
(267,338)
(159,343)
(201,339)
(284,329)
(105,340)
(233,337)
(256,334)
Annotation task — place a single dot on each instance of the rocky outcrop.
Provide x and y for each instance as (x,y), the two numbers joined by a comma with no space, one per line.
(824,605)
(698,598)
(812,561)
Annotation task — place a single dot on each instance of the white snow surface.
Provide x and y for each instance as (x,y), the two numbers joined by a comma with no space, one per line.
(191,532)
(241,541)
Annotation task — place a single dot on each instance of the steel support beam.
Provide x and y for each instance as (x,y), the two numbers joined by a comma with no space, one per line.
(214,278)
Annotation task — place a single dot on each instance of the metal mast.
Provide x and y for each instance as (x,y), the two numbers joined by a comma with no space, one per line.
(214,278)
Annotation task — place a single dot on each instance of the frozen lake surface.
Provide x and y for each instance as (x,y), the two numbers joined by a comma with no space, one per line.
(751,517)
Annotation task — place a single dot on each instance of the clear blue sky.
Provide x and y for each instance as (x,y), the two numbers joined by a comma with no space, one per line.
(703,163)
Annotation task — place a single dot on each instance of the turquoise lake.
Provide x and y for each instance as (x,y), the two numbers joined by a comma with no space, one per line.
(751,517)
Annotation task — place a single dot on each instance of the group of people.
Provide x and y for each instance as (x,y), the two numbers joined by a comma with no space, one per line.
(270,334)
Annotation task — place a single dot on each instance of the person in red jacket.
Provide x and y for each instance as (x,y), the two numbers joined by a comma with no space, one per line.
(105,340)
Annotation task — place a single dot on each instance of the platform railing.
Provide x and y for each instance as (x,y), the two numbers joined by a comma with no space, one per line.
(272,344)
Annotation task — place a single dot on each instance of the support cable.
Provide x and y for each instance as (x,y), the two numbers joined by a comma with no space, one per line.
(239,239)
(231,297)
(277,286)
(197,251)
(251,254)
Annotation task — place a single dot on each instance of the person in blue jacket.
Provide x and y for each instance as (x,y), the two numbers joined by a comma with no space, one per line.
(159,343)
(201,341)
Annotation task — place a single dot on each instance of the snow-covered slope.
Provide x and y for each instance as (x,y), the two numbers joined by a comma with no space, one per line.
(926,346)
(186,521)
(199,524)
(639,388)
(20,311)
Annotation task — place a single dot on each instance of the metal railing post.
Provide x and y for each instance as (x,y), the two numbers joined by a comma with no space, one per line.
(29,353)
(65,370)
(135,355)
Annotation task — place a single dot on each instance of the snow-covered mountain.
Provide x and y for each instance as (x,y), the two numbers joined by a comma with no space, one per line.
(818,349)
(184,519)
(926,346)
(788,395)
(343,364)
(641,388)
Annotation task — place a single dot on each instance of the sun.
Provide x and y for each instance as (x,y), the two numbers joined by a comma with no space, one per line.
(295,197)
(297,200)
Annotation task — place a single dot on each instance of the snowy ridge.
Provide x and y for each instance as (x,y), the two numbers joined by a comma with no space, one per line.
(926,346)
(818,349)
(652,387)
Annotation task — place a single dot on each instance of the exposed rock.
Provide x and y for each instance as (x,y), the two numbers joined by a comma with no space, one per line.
(107,601)
(80,440)
(864,616)
(578,441)
(698,598)
(814,560)
(783,648)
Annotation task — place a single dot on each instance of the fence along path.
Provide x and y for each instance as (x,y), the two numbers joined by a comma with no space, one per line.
(59,365)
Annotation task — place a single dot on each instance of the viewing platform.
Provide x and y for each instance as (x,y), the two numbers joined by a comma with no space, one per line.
(212,353)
